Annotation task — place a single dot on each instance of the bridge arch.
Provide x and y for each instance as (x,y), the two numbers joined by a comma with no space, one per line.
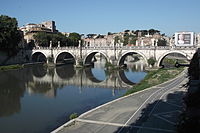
(161,58)
(39,57)
(88,57)
(63,56)
(125,54)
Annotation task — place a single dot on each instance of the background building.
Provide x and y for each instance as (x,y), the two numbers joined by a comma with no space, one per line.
(128,38)
(31,29)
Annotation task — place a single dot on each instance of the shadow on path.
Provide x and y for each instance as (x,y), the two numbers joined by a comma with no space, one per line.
(159,116)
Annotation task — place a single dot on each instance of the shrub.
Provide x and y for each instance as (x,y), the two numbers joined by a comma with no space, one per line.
(73,116)
(151,61)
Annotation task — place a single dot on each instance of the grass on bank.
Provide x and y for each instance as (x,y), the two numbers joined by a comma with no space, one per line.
(73,116)
(10,67)
(154,78)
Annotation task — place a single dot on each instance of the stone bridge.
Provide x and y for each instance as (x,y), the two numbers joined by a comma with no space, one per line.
(115,55)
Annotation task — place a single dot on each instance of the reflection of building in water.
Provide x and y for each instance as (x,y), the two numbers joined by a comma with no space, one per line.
(138,66)
(43,88)
(100,65)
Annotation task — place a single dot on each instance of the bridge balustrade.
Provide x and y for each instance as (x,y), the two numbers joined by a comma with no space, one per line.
(186,47)
(119,47)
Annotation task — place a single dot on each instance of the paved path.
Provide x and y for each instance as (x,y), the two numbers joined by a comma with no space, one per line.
(154,110)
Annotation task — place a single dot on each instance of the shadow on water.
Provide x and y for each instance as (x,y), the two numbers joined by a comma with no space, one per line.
(161,116)
(12,88)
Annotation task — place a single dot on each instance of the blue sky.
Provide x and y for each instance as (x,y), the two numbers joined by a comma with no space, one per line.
(102,16)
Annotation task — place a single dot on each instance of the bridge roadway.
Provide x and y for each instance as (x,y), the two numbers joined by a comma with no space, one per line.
(112,54)
(153,110)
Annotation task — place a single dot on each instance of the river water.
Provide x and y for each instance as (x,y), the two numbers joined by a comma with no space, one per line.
(37,99)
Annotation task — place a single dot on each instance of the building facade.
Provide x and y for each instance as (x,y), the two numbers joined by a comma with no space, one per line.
(110,41)
(99,41)
(29,30)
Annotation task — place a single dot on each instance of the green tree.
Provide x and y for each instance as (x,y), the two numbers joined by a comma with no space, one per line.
(58,37)
(62,38)
(162,42)
(151,61)
(153,31)
(129,39)
(73,39)
(144,32)
(9,35)
(116,39)
(127,31)
(43,39)
(110,33)
(132,39)
(91,35)
(126,39)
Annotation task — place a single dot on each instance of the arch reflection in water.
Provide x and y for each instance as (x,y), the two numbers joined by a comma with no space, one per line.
(97,73)
(134,73)
(123,78)
(66,71)
(91,77)
(104,78)
(39,71)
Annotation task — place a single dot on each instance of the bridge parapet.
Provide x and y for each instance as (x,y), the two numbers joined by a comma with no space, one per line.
(117,47)
(182,48)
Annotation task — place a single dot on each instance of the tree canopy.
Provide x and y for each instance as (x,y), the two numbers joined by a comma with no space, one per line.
(43,39)
(9,35)
(91,35)
(151,61)
(162,42)
(73,39)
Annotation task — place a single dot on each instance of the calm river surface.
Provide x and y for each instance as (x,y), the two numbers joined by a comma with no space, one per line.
(37,100)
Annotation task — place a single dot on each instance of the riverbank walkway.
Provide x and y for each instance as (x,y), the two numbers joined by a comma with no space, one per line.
(154,110)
